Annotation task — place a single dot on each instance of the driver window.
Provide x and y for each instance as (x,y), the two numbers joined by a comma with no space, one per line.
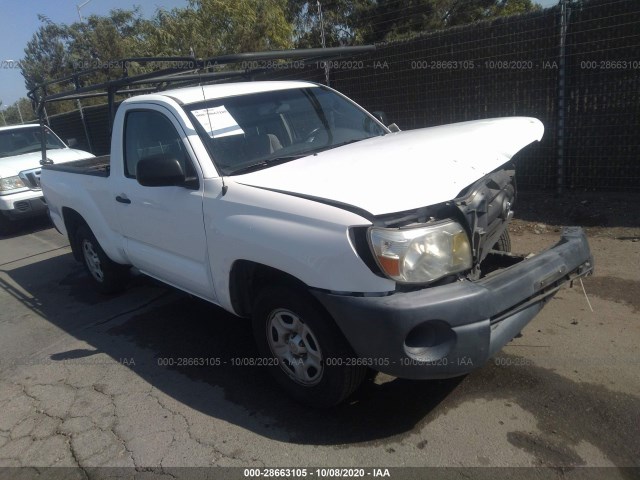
(147,133)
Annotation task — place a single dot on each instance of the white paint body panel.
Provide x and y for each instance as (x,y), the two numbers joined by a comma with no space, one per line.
(210,92)
(162,228)
(192,238)
(404,170)
(11,166)
(306,239)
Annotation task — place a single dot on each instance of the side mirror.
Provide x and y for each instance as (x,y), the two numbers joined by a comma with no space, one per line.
(72,142)
(160,171)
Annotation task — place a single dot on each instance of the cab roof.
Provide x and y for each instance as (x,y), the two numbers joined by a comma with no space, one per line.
(189,95)
(14,127)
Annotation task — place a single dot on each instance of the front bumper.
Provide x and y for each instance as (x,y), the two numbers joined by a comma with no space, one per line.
(452,329)
(24,204)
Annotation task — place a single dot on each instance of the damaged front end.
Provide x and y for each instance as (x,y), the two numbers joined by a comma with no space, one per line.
(481,212)
(487,209)
(453,325)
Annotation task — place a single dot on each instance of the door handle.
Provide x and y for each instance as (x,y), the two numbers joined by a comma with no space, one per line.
(122,199)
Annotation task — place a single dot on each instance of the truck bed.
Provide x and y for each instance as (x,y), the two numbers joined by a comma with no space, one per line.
(96,166)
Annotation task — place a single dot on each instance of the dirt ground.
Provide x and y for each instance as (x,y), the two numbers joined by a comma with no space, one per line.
(613,215)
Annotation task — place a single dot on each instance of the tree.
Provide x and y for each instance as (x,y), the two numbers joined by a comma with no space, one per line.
(59,50)
(348,22)
(45,53)
(17,113)
(244,26)
(101,40)
(171,32)
(212,27)
(342,21)
(205,27)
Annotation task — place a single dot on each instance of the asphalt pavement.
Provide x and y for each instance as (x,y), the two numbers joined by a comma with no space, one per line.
(88,380)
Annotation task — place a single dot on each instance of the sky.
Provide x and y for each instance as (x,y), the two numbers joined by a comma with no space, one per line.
(19,21)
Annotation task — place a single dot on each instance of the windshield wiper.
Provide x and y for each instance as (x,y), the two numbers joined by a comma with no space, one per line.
(269,162)
(336,145)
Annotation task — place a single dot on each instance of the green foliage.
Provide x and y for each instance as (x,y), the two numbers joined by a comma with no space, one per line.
(348,22)
(100,40)
(344,21)
(241,26)
(45,53)
(59,50)
(17,113)
(212,27)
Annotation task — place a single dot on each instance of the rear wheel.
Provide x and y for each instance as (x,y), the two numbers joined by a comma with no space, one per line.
(107,275)
(504,243)
(305,351)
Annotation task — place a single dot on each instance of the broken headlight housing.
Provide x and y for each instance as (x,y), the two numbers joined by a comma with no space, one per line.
(421,254)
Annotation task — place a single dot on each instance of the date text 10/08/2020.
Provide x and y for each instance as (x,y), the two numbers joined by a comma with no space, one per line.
(316,472)
(330,362)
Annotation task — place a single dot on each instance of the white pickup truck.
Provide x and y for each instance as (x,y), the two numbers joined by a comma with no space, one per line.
(20,155)
(350,246)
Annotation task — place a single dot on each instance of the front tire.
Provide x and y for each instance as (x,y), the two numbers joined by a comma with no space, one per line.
(306,352)
(108,276)
(504,243)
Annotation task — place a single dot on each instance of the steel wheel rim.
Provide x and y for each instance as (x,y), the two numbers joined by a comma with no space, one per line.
(92,260)
(295,346)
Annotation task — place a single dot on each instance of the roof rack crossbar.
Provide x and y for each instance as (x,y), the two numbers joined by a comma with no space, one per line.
(183,65)
(185,70)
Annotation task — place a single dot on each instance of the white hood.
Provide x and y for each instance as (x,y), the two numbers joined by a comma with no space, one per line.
(11,166)
(404,170)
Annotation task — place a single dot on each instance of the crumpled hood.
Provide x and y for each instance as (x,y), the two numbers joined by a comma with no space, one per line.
(11,166)
(404,170)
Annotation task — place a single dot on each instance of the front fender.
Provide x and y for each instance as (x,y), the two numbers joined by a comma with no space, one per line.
(305,239)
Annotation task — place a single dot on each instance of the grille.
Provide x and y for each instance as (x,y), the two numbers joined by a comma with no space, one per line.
(22,206)
(31,178)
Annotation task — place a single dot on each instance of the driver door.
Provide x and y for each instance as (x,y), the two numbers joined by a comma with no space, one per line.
(163,226)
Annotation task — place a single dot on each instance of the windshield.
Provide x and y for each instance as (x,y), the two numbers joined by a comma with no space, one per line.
(26,140)
(249,132)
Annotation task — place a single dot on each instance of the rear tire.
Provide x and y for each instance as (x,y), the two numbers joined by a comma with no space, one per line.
(107,276)
(504,243)
(303,348)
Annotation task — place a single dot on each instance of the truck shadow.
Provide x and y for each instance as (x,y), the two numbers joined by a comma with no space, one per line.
(151,322)
(190,328)
(27,226)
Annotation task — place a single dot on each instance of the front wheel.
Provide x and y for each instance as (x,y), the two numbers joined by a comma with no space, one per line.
(108,276)
(308,355)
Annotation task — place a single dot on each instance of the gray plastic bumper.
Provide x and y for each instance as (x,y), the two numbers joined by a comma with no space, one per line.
(450,330)
(26,208)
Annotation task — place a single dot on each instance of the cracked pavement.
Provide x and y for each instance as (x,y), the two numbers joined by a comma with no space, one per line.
(82,382)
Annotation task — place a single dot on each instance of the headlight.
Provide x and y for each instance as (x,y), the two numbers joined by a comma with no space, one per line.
(421,255)
(11,183)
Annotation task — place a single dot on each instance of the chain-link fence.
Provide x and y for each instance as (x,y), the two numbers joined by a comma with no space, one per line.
(576,67)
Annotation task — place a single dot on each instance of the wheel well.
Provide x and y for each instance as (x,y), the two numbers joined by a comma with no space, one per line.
(246,279)
(72,221)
